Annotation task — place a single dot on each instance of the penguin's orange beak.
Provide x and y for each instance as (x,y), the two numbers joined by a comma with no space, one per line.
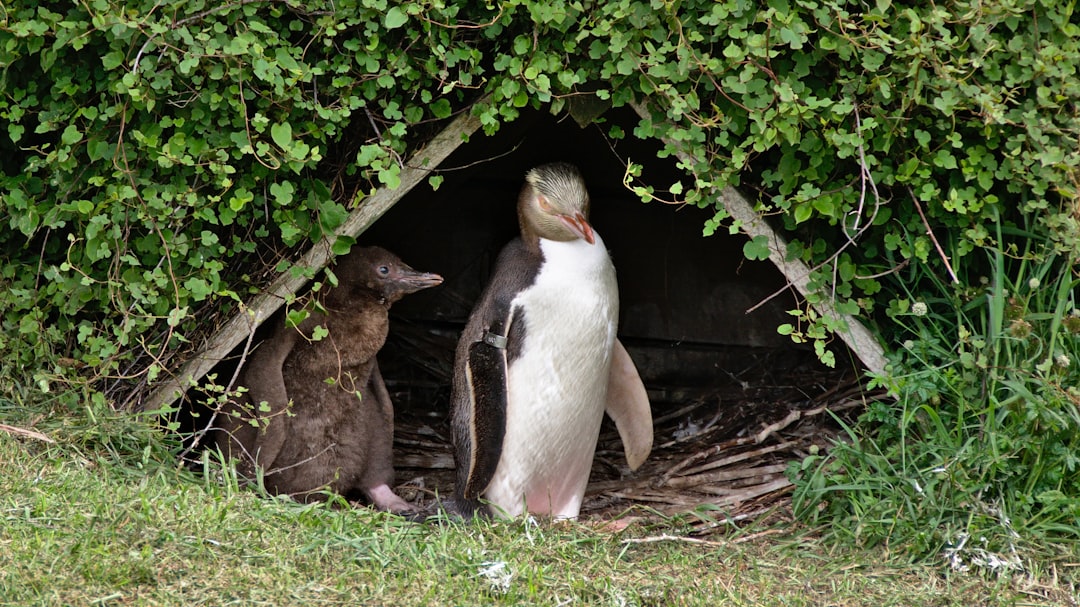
(579,226)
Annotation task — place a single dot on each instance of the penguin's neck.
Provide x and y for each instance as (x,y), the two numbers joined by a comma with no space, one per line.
(574,258)
(353,300)
(575,281)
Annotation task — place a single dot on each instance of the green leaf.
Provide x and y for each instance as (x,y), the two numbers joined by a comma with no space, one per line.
(71,135)
(198,288)
(240,198)
(803,212)
(290,233)
(395,18)
(282,192)
(390,176)
(176,315)
(15,132)
(98,149)
(293,318)
(332,215)
(112,60)
(342,244)
(282,135)
(441,108)
(757,248)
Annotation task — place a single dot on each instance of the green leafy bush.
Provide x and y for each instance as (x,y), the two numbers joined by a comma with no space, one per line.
(155,153)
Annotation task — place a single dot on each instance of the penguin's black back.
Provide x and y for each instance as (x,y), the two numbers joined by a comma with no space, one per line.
(515,270)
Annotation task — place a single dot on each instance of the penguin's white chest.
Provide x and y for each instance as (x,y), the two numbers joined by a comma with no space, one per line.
(557,387)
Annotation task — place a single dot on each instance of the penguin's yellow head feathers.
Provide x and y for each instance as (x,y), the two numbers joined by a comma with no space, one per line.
(554,204)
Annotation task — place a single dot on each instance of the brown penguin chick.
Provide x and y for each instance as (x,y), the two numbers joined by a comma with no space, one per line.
(338,432)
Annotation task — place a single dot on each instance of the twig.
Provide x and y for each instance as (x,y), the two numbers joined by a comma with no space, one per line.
(736,499)
(442,169)
(930,233)
(730,520)
(620,484)
(679,413)
(659,497)
(26,433)
(628,180)
(475,26)
(439,461)
(299,463)
(726,475)
(182,22)
(700,455)
(672,538)
(754,536)
(797,414)
(768,431)
(739,457)
(864,177)
(787,287)
(197,439)
(893,270)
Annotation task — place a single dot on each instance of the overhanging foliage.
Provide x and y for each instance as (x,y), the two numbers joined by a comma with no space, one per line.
(153,148)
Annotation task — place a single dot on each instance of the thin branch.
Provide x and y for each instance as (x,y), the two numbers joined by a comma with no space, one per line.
(701,455)
(470,26)
(893,270)
(299,463)
(209,11)
(864,178)
(797,414)
(673,538)
(198,436)
(930,233)
(247,128)
(442,169)
(27,433)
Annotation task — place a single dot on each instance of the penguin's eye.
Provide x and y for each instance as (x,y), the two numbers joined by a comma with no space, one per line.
(383,270)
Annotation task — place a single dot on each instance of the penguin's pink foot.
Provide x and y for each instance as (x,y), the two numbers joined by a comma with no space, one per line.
(384,498)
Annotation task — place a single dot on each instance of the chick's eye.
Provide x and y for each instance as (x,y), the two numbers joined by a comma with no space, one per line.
(383,270)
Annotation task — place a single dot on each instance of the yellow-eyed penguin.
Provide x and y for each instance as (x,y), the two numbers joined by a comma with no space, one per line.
(538,363)
(338,433)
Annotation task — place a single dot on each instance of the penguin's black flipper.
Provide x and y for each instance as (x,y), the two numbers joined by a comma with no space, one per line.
(493,338)
(485,373)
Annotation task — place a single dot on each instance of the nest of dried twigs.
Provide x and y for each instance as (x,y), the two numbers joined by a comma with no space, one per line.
(721,448)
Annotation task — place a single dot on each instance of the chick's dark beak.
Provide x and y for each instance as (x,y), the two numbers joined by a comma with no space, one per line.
(413,281)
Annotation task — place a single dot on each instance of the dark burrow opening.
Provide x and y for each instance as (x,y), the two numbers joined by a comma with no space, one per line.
(733,402)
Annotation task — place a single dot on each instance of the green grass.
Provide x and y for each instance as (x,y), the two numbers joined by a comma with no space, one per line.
(979,456)
(103,516)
